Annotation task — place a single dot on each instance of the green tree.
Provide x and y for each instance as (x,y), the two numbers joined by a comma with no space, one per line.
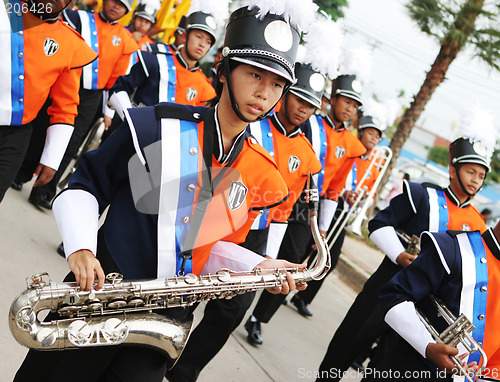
(494,174)
(332,7)
(455,24)
(439,154)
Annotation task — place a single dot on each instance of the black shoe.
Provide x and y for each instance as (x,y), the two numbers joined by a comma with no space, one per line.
(254,334)
(60,250)
(16,185)
(301,306)
(40,200)
(35,200)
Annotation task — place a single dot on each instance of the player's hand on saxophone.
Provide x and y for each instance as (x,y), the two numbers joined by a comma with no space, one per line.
(290,283)
(86,269)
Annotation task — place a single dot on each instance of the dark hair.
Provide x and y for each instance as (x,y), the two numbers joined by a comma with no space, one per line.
(221,70)
(406,176)
(486,211)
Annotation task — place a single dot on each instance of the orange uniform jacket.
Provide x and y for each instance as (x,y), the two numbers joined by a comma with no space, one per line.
(44,58)
(113,43)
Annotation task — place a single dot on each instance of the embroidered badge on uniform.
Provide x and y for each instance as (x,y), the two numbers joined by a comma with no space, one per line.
(339,152)
(465,227)
(236,195)
(50,47)
(293,163)
(116,40)
(191,94)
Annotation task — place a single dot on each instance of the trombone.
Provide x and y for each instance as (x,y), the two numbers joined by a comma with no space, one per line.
(380,158)
(459,331)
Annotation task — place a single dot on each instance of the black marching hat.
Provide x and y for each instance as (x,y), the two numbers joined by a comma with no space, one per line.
(147,12)
(269,42)
(310,84)
(348,86)
(464,150)
(370,121)
(203,21)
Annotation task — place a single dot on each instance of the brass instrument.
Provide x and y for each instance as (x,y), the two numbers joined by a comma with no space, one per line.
(459,331)
(412,242)
(124,312)
(353,218)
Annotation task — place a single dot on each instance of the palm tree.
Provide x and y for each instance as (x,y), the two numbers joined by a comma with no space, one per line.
(454,24)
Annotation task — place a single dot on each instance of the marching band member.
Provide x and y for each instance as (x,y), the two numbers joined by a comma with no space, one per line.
(323,36)
(421,207)
(462,270)
(143,20)
(375,119)
(114,44)
(281,136)
(45,60)
(169,175)
(162,76)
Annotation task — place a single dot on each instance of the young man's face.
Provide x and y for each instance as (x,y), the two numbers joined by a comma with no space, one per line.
(370,138)
(298,110)
(198,43)
(256,90)
(114,10)
(472,176)
(343,108)
(142,25)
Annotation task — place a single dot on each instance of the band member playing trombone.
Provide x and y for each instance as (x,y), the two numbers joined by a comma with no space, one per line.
(462,269)
(421,207)
(359,183)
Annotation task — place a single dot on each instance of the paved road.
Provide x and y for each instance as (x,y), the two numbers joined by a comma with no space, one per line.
(293,345)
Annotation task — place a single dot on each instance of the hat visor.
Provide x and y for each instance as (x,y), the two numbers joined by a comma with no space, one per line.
(266,64)
(350,94)
(204,28)
(127,5)
(306,96)
(472,159)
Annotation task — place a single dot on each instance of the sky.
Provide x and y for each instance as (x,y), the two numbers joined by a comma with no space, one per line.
(401,57)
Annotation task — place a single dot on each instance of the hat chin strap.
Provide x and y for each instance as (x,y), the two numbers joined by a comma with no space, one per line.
(234,104)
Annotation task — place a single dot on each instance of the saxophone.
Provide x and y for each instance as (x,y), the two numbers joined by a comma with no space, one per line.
(123,312)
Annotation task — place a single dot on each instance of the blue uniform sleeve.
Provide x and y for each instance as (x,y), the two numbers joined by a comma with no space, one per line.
(101,171)
(401,210)
(73,19)
(430,273)
(135,79)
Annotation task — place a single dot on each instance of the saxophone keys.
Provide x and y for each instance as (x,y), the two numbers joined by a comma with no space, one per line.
(135,302)
(117,303)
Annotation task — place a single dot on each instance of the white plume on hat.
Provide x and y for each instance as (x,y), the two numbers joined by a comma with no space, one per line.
(298,13)
(357,61)
(155,4)
(218,9)
(477,126)
(322,47)
(384,112)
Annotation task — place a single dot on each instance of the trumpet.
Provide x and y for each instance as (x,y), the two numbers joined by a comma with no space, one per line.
(353,218)
(412,242)
(459,331)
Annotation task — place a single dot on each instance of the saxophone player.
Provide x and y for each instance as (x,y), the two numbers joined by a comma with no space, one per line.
(167,176)
(421,207)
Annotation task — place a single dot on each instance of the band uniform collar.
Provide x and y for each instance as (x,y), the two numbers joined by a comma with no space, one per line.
(218,144)
(184,64)
(449,193)
(281,128)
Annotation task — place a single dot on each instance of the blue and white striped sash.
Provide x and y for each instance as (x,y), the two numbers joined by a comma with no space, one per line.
(168,78)
(90,73)
(262,132)
(319,144)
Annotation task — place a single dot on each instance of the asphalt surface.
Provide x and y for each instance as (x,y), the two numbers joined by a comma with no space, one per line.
(293,345)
